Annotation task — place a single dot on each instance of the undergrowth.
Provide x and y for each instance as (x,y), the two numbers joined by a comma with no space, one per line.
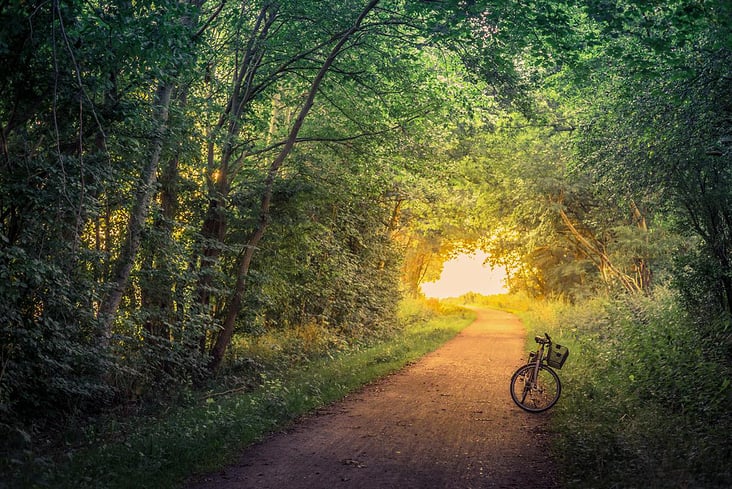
(646,393)
(290,374)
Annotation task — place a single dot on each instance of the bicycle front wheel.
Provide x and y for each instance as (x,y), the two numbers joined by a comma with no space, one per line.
(535,395)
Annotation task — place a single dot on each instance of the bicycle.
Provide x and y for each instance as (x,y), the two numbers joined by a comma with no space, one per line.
(535,387)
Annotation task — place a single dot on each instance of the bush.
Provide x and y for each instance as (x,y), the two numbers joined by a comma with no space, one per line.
(210,430)
(646,394)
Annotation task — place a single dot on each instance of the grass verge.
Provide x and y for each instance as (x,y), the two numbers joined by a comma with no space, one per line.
(162,452)
(646,393)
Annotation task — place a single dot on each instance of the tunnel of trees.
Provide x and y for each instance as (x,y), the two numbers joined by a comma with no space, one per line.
(180,175)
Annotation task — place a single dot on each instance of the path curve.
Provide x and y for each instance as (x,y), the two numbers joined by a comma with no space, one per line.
(446,421)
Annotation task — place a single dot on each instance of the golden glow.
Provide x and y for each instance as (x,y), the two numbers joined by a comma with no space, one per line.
(466,273)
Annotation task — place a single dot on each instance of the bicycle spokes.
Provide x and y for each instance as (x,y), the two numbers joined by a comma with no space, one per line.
(535,391)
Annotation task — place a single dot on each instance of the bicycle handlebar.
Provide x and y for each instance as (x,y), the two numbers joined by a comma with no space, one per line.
(547,340)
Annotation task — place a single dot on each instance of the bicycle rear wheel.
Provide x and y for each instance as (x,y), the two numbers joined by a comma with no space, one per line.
(536,396)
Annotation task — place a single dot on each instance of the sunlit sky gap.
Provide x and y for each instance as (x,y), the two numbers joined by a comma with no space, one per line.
(466,273)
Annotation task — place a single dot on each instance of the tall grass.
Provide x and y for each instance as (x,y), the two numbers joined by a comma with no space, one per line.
(646,394)
(203,435)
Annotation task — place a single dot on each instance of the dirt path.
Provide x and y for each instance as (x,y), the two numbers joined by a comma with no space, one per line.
(445,422)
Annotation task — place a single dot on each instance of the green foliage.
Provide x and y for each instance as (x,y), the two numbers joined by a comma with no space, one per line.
(163,450)
(555,231)
(49,358)
(68,161)
(78,117)
(657,135)
(328,258)
(402,159)
(645,394)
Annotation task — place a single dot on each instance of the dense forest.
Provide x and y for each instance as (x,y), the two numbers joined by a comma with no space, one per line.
(179,178)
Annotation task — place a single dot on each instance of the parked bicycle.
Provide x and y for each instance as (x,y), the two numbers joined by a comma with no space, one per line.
(535,387)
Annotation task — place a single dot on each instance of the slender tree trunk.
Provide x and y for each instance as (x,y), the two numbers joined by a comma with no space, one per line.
(644,273)
(604,260)
(727,285)
(123,267)
(725,273)
(157,290)
(214,226)
(234,304)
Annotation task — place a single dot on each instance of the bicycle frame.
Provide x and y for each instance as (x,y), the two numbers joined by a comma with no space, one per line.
(539,361)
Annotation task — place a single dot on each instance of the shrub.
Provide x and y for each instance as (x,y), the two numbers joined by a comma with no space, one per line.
(646,394)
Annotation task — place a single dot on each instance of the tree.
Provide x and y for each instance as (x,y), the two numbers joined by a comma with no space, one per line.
(381,75)
(659,134)
(149,149)
(66,116)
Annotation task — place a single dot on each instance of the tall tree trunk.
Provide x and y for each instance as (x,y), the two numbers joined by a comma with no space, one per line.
(214,225)
(157,290)
(120,277)
(234,304)
(140,209)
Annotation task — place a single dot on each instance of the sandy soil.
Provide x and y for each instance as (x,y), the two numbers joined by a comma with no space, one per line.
(446,421)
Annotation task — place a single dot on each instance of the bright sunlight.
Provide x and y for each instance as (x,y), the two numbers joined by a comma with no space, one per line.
(466,273)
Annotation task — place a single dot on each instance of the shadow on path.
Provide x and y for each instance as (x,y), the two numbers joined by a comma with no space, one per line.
(447,421)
